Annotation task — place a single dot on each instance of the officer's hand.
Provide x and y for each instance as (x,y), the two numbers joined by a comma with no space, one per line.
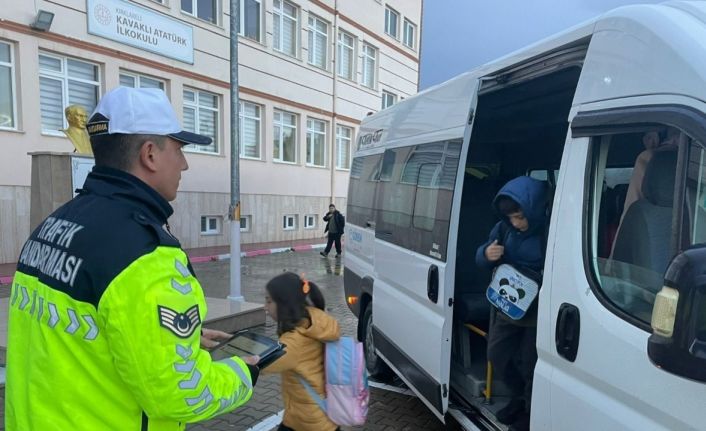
(251,360)
(494,251)
(211,337)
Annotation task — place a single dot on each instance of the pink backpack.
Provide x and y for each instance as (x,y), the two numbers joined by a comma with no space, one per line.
(347,392)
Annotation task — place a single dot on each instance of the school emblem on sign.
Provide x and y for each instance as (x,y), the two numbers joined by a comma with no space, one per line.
(181,324)
(511,291)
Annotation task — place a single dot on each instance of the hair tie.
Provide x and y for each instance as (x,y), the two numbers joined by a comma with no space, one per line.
(305,286)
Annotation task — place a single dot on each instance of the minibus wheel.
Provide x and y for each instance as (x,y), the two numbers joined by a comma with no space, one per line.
(376,366)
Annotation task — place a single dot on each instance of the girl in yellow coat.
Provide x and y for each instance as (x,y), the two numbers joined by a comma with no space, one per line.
(303,326)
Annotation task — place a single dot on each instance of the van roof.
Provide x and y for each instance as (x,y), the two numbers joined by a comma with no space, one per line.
(667,46)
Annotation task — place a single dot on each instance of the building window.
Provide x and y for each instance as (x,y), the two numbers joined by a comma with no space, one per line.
(285,27)
(392,19)
(135,80)
(211,225)
(310,221)
(245,223)
(369,60)
(388,99)
(201,115)
(62,82)
(249,130)
(207,10)
(409,33)
(346,52)
(316,143)
(344,136)
(285,134)
(250,18)
(318,42)
(289,222)
(7,87)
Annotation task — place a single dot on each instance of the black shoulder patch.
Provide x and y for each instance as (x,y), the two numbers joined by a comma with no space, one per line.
(181,324)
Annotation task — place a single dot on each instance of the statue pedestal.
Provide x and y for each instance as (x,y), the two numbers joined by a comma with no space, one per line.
(55,177)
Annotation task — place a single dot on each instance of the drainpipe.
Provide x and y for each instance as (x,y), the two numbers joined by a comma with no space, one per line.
(333,104)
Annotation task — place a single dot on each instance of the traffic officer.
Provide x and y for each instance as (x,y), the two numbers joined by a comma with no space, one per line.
(105,311)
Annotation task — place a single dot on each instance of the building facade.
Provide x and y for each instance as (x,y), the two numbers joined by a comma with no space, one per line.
(309,71)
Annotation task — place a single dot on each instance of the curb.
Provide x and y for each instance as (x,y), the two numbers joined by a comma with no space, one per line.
(253,253)
(201,259)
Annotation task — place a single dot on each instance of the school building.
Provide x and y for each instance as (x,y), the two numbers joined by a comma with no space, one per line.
(309,71)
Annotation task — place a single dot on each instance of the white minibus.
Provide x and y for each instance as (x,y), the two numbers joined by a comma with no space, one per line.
(621,330)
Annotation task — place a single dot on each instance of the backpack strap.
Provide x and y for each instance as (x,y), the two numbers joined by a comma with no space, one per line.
(313,394)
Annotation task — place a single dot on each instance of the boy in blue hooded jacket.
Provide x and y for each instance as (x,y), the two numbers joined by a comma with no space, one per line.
(518,240)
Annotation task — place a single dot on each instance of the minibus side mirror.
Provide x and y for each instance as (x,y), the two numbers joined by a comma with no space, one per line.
(678,340)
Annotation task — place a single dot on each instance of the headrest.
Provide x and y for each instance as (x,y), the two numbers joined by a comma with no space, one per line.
(658,183)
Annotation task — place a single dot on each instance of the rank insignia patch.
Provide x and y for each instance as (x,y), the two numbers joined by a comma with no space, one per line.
(181,324)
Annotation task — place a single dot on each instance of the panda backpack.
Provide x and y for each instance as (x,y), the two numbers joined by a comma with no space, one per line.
(511,290)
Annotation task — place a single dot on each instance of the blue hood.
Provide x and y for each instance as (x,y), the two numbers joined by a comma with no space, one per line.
(531,195)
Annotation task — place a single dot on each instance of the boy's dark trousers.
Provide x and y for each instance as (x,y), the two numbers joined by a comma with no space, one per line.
(333,237)
(512,350)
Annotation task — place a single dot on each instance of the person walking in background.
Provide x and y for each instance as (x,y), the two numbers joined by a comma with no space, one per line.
(104,328)
(335,222)
(303,326)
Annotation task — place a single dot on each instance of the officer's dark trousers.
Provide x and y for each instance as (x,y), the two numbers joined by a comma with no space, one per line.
(333,237)
(512,351)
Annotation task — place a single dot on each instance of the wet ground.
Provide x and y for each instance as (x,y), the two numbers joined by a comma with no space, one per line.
(394,408)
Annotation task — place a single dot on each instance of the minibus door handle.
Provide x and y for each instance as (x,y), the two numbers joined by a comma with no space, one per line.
(433,284)
(568,330)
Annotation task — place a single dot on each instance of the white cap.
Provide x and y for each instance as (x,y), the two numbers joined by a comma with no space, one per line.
(139,111)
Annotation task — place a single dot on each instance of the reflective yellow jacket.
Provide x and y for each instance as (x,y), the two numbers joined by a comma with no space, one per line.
(105,319)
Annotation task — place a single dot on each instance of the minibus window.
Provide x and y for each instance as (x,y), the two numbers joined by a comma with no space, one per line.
(632,218)
(414,196)
(695,207)
(361,190)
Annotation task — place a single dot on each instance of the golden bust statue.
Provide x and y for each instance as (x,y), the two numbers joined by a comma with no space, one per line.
(76,116)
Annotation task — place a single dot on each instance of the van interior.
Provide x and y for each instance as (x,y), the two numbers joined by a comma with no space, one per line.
(520,128)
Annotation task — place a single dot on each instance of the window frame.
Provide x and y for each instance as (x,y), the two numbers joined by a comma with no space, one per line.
(211,232)
(13,85)
(195,7)
(241,30)
(282,125)
(138,78)
(413,43)
(64,77)
(596,124)
(340,46)
(385,95)
(389,12)
(374,60)
(312,33)
(248,223)
(310,142)
(313,218)
(285,224)
(241,119)
(197,107)
(278,16)
(339,138)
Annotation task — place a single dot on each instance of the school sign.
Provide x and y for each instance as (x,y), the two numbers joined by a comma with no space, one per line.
(133,25)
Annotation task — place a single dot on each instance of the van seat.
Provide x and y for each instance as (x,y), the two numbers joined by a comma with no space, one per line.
(645,231)
(472,307)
